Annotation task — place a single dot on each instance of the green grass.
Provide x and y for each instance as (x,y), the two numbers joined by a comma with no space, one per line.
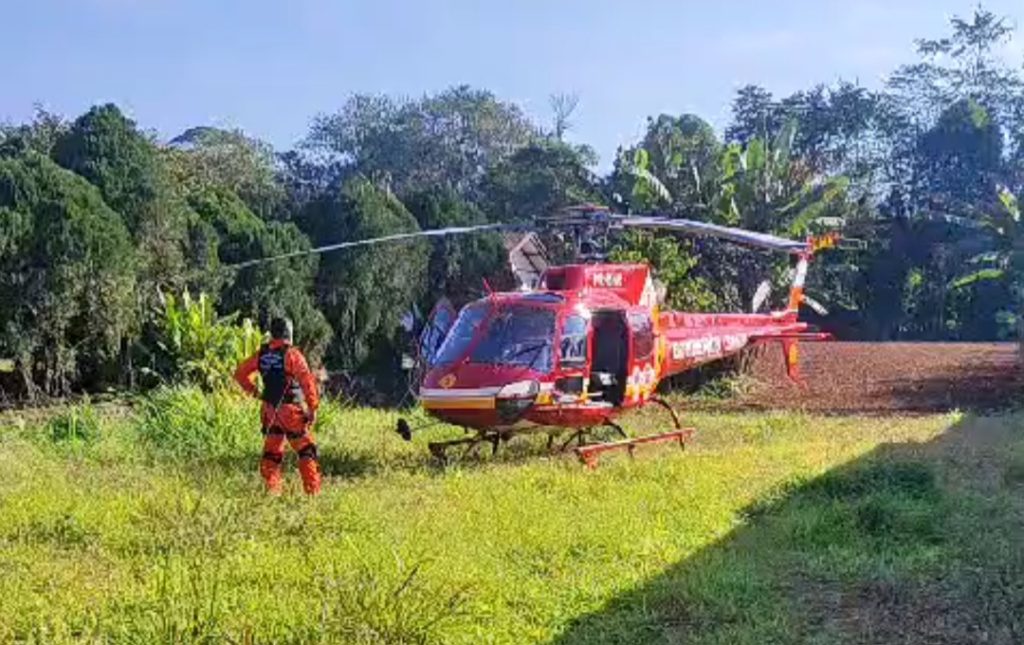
(151,526)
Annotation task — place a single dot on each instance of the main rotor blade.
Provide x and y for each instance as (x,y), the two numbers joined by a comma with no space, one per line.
(738,235)
(397,237)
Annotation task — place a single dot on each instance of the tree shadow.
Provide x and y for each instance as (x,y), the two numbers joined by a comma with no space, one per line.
(912,543)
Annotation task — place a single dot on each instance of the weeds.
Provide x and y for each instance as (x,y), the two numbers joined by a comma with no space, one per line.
(78,423)
(185,423)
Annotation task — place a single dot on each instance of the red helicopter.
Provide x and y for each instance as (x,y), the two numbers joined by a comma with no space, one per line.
(586,343)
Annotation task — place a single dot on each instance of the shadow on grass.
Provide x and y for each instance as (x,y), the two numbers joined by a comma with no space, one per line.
(913,543)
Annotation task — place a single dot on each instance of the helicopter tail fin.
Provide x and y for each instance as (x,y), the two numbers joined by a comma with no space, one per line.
(814,244)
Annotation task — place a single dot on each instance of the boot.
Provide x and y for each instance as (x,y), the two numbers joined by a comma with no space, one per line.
(270,470)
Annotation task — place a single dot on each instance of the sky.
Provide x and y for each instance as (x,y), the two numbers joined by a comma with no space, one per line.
(269,66)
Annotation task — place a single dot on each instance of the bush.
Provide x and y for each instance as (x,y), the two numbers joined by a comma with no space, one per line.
(187,422)
(197,346)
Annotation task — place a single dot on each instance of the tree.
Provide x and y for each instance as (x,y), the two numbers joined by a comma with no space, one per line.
(40,136)
(458,265)
(105,148)
(449,139)
(364,292)
(973,72)
(963,69)
(754,115)
(562,108)
(538,180)
(228,159)
(280,288)
(960,160)
(67,273)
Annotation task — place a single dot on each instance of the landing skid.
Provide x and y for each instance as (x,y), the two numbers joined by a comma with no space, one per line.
(583,436)
(471,445)
(587,450)
(591,454)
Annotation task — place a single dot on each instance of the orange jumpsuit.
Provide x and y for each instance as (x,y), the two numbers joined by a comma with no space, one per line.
(284,418)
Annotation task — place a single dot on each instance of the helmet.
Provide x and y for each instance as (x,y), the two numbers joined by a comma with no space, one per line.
(281,329)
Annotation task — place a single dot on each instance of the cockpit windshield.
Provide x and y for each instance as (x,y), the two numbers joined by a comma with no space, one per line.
(518,335)
(515,335)
(462,333)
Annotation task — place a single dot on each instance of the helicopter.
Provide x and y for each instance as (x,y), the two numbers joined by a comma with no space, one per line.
(588,341)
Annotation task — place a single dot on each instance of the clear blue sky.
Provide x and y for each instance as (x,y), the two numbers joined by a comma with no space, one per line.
(267,66)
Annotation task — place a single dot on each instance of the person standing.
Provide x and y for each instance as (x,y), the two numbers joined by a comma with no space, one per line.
(290,401)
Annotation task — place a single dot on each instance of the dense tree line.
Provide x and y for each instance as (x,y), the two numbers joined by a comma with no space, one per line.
(99,220)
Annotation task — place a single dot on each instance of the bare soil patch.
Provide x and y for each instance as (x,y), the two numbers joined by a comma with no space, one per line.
(879,378)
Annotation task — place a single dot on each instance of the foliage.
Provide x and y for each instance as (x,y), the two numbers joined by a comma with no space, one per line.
(537,180)
(457,264)
(39,136)
(186,423)
(960,159)
(66,276)
(202,157)
(107,149)
(449,139)
(76,423)
(364,292)
(197,346)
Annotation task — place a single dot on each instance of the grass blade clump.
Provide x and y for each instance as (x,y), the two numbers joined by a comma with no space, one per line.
(76,424)
(187,423)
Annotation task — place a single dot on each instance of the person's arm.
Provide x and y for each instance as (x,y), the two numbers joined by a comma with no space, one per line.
(298,369)
(244,373)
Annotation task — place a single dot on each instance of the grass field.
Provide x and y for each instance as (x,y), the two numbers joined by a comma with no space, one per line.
(149,525)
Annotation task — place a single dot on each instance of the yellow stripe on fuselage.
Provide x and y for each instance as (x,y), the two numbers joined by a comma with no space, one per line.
(464,403)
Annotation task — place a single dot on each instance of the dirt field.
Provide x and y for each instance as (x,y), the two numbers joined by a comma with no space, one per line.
(887,377)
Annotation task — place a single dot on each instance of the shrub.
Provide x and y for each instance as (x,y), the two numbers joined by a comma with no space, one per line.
(197,346)
(181,421)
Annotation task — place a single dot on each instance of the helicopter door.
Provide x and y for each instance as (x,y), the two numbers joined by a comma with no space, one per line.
(436,329)
(572,355)
(609,367)
(642,368)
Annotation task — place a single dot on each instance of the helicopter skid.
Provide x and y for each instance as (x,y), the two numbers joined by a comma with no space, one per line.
(590,454)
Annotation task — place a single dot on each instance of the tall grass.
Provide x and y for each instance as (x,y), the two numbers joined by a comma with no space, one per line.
(153,527)
(185,423)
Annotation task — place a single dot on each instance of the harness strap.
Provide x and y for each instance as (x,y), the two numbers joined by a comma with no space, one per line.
(309,452)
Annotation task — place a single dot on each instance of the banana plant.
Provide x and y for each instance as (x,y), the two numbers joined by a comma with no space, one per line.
(200,346)
(1006,260)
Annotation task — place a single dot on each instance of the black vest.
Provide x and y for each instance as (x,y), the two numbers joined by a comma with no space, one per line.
(278,388)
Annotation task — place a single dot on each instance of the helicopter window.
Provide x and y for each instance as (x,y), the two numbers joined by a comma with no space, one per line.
(643,336)
(435,331)
(461,335)
(573,346)
(518,335)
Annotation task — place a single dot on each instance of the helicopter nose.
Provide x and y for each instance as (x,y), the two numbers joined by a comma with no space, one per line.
(495,405)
